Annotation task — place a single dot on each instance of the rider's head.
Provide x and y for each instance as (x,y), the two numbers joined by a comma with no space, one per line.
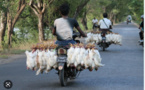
(105,15)
(64,9)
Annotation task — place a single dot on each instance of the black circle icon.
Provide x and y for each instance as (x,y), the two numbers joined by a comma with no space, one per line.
(8,84)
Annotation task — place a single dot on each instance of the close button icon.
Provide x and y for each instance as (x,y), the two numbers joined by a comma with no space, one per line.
(8,84)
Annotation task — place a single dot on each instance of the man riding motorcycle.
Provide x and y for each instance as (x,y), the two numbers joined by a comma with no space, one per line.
(129,18)
(63,27)
(104,25)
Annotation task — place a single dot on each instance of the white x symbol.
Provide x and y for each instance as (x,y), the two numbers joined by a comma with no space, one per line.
(8,84)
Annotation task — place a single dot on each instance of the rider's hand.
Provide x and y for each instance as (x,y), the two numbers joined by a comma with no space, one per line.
(84,35)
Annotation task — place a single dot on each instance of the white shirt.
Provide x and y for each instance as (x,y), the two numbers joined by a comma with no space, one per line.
(103,25)
(94,20)
(129,17)
(64,28)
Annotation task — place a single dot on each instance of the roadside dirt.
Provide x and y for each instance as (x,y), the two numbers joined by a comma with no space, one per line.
(12,58)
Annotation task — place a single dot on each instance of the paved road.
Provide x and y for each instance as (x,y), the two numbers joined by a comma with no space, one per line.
(123,69)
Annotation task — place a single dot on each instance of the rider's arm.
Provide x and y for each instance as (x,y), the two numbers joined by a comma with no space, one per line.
(81,32)
(110,26)
(54,31)
(99,24)
(76,25)
(54,28)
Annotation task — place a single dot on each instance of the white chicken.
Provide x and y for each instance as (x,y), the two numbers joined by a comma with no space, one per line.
(89,38)
(97,59)
(73,58)
(97,38)
(31,60)
(79,57)
(70,52)
(47,58)
(115,38)
(118,39)
(88,58)
(53,59)
(93,38)
(42,62)
(108,38)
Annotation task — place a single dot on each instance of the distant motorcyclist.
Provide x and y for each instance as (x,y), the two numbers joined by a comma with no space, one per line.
(129,18)
(95,22)
(141,27)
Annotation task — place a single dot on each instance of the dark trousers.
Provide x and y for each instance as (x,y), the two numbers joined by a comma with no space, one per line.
(65,42)
(141,35)
(104,31)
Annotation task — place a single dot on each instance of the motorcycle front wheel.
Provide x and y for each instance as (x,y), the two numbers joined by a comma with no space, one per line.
(63,77)
(103,46)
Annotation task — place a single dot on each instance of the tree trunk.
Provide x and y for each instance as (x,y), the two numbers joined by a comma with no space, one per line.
(12,21)
(10,29)
(114,21)
(84,20)
(40,27)
(3,24)
(111,15)
(39,12)
(80,7)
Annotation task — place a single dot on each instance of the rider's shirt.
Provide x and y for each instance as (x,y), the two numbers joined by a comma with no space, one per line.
(94,21)
(64,28)
(129,17)
(104,23)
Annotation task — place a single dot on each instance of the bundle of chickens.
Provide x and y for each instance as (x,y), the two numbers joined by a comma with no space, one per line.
(94,37)
(111,37)
(114,38)
(80,56)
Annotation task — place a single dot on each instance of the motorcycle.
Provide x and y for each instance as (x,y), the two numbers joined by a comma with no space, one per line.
(65,72)
(103,44)
(128,21)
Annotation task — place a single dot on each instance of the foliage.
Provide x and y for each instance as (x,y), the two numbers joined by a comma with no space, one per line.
(27,25)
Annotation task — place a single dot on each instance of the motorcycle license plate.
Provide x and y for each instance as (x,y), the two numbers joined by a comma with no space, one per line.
(61,59)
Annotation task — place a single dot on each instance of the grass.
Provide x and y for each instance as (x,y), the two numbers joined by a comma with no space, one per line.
(16,51)
(6,53)
(12,51)
(4,56)
(18,48)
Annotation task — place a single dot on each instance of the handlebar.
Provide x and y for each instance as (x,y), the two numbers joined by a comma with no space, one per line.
(76,34)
